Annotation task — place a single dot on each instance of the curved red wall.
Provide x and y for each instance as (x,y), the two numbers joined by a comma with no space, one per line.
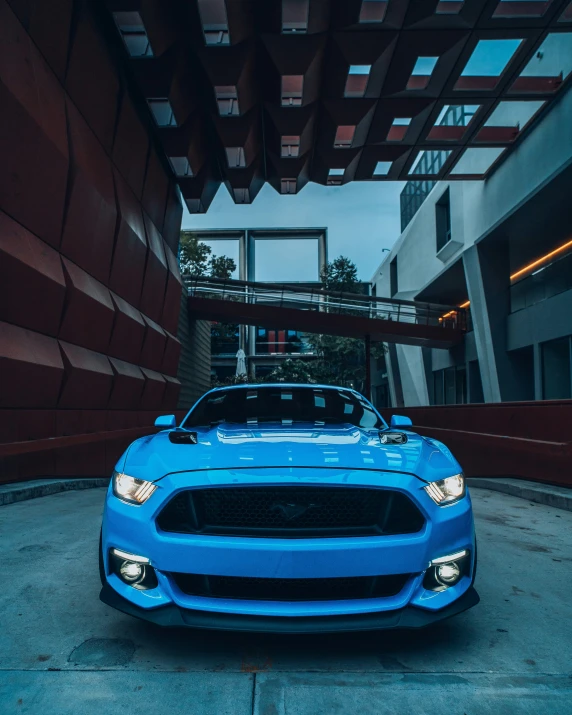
(89,227)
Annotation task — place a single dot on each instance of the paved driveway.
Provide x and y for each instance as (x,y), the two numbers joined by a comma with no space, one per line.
(63,652)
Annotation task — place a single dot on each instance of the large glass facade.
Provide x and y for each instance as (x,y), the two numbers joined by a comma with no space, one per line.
(450,386)
(556,369)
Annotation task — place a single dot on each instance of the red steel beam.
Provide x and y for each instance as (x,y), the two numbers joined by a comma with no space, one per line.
(351,326)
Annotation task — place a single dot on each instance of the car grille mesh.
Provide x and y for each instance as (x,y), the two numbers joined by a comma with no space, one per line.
(295,512)
(290,589)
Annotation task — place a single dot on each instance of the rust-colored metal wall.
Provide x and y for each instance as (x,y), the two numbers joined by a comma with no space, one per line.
(530,440)
(90,289)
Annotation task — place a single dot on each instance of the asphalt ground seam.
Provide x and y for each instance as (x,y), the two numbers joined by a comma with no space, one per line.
(121,669)
(253,696)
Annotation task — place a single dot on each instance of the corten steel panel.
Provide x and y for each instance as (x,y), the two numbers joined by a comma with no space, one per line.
(155,190)
(172,305)
(33,425)
(33,136)
(547,420)
(171,394)
(89,311)
(31,368)
(128,263)
(128,331)
(199,191)
(350,326)
(83,460)
(91,78)
(153,392)
(153,345)
(153,293)
(128,384)
(90,221)
(121,419)
(526,440)
(88,378)
(9,425)
(171,355)
(32,285)
(173,217)
(48,24)
(131,147)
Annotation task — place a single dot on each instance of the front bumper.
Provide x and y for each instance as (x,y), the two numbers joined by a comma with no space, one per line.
(134,529)
(171,616)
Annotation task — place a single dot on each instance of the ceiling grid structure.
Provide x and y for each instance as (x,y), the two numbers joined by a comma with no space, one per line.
(244,92)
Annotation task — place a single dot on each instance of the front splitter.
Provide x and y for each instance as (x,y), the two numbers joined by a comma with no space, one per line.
(172,616)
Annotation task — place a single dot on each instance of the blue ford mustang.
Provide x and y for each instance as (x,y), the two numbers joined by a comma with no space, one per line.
(288,508)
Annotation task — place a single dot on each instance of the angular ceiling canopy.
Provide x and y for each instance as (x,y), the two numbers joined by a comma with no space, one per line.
(332,91)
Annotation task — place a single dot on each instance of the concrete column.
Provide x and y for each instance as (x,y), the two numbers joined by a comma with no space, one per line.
(322,252)
(250,256)
(412,375)
(242,257)
(393,376)
(487,274)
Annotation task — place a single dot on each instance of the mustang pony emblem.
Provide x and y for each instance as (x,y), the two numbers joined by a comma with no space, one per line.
(292,511)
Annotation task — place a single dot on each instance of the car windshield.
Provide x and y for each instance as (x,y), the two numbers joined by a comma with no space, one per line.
(283,405)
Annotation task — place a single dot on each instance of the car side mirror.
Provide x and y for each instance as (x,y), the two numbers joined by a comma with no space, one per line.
(400,421)
(166,421)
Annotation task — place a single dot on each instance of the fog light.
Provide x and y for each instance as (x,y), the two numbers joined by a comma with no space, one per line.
(448,574)
(446,571)
(132,572)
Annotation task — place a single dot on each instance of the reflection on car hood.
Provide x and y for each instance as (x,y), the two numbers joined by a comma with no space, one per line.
(230,446)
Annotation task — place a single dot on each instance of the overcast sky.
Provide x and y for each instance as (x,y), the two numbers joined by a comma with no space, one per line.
(361,218)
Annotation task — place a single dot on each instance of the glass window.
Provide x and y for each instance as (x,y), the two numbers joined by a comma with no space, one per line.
(449,377)
(438,387)
(556,369)
(266,405)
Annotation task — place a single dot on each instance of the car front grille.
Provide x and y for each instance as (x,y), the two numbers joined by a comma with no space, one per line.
(291,512)
(290,589)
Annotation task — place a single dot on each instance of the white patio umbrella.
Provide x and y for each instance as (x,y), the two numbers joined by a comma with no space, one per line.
(240,363)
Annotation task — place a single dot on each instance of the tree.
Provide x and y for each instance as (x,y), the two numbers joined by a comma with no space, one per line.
(196,259)
(193,255)
(340,275)
(341,361)
(222,267)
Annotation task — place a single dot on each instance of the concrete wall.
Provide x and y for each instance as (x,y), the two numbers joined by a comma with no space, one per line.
(89,229)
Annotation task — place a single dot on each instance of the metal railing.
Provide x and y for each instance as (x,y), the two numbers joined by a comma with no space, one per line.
(327,301)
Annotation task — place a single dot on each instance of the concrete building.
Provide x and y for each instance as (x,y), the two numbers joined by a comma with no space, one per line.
(501,248)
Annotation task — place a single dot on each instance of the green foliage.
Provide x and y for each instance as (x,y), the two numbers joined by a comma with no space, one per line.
(222,267)
(233,380)
(340,275)
(196,259)
(193,255)
(293,371)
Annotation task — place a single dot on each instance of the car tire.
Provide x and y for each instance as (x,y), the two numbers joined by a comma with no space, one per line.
(101,564)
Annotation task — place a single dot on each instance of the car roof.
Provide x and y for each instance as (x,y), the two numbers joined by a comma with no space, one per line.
(306,385)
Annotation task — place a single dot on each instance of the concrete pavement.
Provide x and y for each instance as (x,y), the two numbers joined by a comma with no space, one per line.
(62,651)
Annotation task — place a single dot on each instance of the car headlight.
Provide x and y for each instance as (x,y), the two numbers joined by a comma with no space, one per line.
(129,489)
(447,491)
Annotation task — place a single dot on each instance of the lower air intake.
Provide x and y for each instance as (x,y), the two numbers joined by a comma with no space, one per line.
(290,589)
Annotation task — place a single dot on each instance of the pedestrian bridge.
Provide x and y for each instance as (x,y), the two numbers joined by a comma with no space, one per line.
(315,310)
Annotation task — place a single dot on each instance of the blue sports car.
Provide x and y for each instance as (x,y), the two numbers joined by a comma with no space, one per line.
(288,508)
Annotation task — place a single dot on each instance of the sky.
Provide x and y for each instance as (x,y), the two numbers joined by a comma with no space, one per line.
(361,218)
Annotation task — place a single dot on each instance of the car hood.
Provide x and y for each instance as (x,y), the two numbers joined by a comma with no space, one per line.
(240,446)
